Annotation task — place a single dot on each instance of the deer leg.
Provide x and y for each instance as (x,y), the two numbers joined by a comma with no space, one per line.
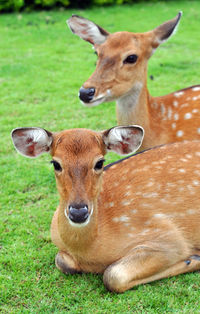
(145,266)
(66,264)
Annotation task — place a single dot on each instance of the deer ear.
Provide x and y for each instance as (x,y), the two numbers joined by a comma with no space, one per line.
(165,30)
(87,30)
(31,142)
(123,139)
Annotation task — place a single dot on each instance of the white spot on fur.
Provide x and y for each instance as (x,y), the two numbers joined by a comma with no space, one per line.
(134,211)
(124,218)
(195,182)
(196,88)
(170,184)
(191,211)
(162,162)
(163,200)
(184,105)
(130,235)
(149,195)
(178,94)
(159,215)
(187,116)
(191,189)
(183,160)
(198,130)
(179,133)
(144,232)
(163,109)
(115,219)
(175,103)
(194,98)
(173,125)
(181,170)
(146,205)
(169,114)
(108,92)
(158,167)
(195,110)
(125,203)
(188,156)
(176,116)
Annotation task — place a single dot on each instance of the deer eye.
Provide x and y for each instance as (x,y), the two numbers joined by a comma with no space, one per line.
(99,165)
(131,59)
(56,165)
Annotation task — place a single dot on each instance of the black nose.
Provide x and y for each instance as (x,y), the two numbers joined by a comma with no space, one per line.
(78,213)
(86,94)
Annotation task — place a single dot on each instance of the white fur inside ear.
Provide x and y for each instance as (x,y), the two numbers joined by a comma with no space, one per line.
(124,140)
(86,29)
(31,142)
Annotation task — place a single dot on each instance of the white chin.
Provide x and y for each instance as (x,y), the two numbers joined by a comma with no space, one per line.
(93,103)
(78,225)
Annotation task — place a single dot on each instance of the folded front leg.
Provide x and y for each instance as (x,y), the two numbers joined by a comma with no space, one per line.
(145,265)
(66,264)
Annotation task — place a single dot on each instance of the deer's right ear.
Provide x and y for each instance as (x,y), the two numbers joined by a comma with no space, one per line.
(31,142)
(87,30)
(165,30)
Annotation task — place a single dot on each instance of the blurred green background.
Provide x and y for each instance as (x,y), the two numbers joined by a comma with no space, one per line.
(42,66)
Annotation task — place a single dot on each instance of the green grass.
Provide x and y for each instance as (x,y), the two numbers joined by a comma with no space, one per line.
(42,66)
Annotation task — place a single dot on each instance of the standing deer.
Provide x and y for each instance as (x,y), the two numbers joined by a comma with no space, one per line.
(121,75)
(135,221)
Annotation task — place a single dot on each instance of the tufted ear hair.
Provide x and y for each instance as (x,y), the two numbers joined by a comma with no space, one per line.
(123,139)
(87,30)
(31,142)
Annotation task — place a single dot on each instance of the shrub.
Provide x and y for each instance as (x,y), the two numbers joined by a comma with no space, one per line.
(17,5)
(11,5)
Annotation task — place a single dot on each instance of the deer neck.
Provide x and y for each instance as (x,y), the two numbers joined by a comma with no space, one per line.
(132,108)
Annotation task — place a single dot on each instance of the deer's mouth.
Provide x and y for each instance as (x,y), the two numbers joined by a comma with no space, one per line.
(77,219)
(94,102)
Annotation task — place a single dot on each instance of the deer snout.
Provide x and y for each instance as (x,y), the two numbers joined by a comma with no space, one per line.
(86,94)
(78,213)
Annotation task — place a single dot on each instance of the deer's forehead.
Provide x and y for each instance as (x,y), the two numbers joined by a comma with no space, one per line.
(121,41)
(77,144)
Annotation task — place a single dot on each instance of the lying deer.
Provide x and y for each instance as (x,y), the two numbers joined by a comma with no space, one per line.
(121,74)
(136,220)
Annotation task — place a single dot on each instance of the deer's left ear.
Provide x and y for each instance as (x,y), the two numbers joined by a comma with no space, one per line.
(165,30)
(123,139)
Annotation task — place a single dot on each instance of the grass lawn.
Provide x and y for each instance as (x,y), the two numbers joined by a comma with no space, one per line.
(42,66)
